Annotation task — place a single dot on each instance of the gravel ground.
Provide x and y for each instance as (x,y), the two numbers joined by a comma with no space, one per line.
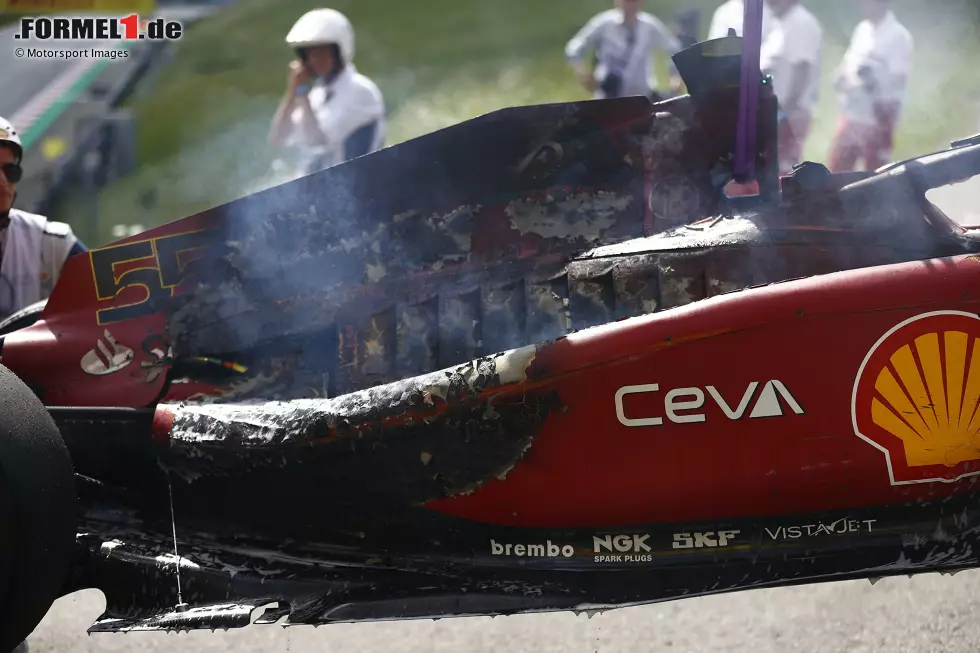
(924,614)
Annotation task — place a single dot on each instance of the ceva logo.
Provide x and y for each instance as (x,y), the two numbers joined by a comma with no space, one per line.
(916,395)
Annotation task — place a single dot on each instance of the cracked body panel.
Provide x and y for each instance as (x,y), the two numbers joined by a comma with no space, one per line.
(421,353)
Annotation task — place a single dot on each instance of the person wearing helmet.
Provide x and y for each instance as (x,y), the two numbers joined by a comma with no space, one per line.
(330,113)
(33,249)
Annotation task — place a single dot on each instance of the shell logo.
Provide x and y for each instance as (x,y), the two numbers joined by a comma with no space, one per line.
(916,398)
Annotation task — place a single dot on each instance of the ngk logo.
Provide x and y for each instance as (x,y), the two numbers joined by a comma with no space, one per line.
(620,543)
(707,539)
(679,405)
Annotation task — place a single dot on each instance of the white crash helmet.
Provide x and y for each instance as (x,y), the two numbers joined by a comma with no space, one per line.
(323,27)
(11,137)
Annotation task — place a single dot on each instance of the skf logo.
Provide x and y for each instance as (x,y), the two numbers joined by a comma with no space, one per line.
(677,403)
(621,543)
(916,395)
(709,539)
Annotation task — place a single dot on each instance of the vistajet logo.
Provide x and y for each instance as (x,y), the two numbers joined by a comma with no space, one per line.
(546,550)
(91,28)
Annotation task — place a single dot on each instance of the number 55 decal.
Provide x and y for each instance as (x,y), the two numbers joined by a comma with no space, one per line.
(155,266)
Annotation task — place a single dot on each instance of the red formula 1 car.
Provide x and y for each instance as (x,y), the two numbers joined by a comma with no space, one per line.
(535,361)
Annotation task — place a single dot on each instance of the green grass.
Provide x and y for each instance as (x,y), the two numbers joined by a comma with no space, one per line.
(202,128)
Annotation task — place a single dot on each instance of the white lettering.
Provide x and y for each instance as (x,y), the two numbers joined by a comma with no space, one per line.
(671,406)
(683,541)
(724,537)
(622,543)
(742,405)
(840,526)
(546,550)
(620,410)
(608,559)
(623,558)
(769,403)
(708,539)
(787,396)
(704,539)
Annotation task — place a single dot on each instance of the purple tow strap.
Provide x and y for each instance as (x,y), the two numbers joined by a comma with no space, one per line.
(748,107)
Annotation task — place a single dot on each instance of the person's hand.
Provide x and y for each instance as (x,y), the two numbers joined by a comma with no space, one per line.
(298,76)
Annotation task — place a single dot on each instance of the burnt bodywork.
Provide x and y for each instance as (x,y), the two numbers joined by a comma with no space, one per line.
(386,390)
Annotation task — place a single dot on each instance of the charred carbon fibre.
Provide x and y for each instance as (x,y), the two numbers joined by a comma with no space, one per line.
(436,567)
(519,364)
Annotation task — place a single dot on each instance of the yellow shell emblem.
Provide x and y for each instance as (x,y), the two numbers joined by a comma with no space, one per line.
(916,398)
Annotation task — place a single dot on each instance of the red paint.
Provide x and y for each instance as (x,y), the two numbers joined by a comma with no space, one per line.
(49,352)
(588,469)
(163,422)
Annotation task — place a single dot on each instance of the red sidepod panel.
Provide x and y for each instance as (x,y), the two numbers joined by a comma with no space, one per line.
(838,391)
(101,340)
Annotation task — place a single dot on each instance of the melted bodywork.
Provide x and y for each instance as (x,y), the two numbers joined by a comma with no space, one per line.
(535,361)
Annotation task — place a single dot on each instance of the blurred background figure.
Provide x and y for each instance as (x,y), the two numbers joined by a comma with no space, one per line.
(871,84)
(330,113)
(686,26)
(33,249)
(621,40)
(730,16)
(791,53)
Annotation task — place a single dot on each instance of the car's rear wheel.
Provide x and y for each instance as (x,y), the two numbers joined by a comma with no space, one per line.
(23,318)
(38,511)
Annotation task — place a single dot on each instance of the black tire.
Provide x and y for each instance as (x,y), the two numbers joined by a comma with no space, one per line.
(23,318)
(38,511)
